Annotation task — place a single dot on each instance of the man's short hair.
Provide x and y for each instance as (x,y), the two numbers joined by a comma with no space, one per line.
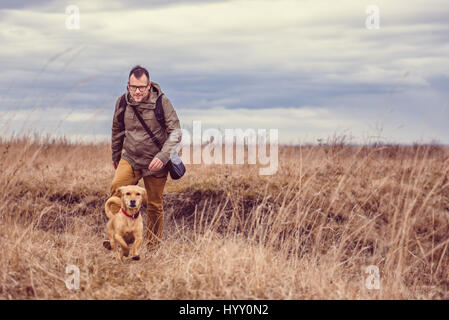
(138,71)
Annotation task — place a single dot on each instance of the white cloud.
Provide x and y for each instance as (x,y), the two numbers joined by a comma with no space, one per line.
(308,124)
(295,125)
(283,34)
(323,47)
(56,114)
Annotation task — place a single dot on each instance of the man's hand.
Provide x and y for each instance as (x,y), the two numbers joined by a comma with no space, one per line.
(114,164)
(155,164)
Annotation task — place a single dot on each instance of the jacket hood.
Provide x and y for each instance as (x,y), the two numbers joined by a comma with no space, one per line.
(155,92)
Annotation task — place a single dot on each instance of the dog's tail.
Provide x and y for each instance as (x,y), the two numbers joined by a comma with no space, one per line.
(112,201)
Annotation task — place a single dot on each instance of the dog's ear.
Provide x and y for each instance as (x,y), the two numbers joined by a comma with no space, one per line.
(120,191)
(144,196)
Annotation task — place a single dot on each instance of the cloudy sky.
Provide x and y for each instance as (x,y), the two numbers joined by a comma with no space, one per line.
(311,69)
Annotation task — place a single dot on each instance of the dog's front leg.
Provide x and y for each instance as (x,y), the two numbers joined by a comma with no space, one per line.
(123,244)
(136,246)
(110,245)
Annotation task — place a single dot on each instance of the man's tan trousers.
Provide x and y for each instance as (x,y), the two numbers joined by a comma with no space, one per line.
(125,175)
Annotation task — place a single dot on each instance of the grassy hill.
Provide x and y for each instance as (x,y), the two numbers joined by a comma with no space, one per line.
(307,232)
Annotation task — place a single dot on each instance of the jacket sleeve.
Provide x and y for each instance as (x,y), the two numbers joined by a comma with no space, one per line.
(118,134)
(173,129)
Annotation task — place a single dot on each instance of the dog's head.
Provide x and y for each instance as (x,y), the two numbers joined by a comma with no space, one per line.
(133,196)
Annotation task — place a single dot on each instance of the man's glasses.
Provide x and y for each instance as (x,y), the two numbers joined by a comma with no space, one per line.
(134,88)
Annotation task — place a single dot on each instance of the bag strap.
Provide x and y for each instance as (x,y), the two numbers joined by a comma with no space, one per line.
(158,111)
(122,108)
(152,136)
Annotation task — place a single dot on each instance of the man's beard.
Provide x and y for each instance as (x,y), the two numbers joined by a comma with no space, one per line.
(142,98)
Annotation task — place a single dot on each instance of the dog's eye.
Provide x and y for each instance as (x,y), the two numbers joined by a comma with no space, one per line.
(128,193)
(137,194)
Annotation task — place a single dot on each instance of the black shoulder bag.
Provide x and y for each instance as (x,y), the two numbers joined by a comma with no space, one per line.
(174,165)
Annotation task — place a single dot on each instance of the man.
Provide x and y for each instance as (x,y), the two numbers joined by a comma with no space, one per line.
(135,155)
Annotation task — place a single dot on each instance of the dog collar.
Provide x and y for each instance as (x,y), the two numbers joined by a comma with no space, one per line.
(134,216)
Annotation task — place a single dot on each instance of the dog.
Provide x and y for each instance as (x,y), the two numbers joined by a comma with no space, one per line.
(127,221)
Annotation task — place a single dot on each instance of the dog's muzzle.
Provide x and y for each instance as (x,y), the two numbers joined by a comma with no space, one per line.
(132,204)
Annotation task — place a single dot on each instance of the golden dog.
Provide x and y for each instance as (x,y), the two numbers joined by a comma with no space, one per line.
(126,221)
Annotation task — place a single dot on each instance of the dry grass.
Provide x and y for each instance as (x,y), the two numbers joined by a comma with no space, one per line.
(307,232)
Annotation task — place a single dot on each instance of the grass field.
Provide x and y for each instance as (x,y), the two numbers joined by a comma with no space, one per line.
(307,232)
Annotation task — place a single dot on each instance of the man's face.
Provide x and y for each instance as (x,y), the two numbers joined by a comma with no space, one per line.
(138,87)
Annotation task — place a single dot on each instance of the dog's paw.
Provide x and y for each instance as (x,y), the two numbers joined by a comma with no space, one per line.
(107,244)
(136,258)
